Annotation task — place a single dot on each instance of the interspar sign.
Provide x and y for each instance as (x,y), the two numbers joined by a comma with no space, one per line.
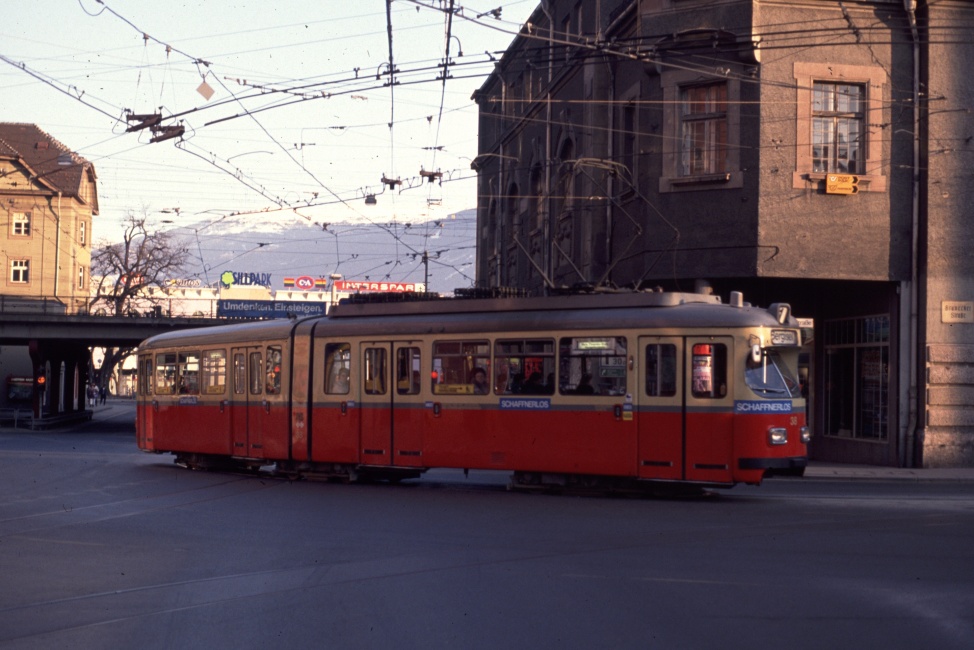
(399,287)
(268,308)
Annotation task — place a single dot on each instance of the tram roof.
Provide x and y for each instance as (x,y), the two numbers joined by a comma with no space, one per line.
(619,311)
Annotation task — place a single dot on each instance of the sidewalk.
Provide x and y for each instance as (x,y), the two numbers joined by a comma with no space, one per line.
(842,472)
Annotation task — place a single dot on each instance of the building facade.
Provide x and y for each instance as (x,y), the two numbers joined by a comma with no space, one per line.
(813,152)
(49,200)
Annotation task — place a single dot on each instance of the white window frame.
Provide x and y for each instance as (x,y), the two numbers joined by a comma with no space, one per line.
(20,224)
(19,271)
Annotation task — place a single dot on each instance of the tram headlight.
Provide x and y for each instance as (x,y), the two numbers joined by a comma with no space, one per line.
(777,436)
(806,435)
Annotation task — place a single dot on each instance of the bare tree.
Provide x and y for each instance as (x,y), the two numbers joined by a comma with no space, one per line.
(124,269)
(142,259)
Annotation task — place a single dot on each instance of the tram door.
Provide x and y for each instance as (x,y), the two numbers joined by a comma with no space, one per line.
(392,407)
(145,403)
(246,401)
(685,408)
(661,416)
(709,409)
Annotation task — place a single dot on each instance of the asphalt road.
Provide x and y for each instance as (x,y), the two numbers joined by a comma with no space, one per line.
(102,546)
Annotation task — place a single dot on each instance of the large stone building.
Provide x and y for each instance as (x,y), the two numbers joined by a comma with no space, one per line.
(814,152)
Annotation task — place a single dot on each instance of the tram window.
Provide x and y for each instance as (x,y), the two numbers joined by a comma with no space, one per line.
(256,373)
(374,371)
(214,372)
(145,375)
(239,374)
(592,365)
(661,370)
(407,371)
(166,374)
(709,370)
(273,370)
(524,366)
(189,373)
(461,367)
(771,377)
(338,366)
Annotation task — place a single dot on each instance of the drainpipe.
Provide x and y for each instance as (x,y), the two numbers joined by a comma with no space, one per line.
(908,389)
(57,245)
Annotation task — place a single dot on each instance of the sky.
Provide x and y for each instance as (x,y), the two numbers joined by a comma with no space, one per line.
(302,123)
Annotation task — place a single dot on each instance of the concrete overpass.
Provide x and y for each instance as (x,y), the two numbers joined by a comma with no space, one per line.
(59,347)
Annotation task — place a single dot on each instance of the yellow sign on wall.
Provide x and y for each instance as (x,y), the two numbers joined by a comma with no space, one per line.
(841,184)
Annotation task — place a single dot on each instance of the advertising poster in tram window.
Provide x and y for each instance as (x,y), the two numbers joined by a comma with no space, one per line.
(703,370)
(533,365)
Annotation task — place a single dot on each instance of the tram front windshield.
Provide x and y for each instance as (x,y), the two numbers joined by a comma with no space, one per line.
(771,377)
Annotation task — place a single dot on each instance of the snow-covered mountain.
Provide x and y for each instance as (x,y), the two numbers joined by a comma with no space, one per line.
(358,251)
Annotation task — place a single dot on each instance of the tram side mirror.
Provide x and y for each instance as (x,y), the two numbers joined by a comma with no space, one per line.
(756,353)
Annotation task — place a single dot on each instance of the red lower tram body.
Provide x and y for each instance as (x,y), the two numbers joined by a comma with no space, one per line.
(695,393)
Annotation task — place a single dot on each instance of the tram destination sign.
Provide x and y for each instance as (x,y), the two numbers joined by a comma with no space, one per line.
(268,309)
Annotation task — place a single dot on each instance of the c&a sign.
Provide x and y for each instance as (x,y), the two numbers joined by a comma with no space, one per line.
(306,283)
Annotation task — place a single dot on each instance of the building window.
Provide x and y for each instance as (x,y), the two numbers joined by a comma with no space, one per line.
(703,129)
(82,233)
(836,108)
(21,224)
(19,271)
(837,127)
(81,277)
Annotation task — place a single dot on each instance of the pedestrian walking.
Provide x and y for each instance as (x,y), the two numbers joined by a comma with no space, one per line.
(103,393)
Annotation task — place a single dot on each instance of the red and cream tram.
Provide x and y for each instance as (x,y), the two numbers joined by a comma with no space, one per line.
(616,388)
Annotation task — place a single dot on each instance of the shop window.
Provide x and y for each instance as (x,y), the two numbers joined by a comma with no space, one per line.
(857,377)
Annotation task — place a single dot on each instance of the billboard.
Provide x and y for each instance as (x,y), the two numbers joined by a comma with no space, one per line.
(268,309)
